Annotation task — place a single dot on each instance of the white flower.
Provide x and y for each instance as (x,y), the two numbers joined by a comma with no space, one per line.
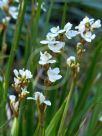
(56,47)
(69,33)
(50,39)
(71,60)
(14,103)
(85,23)
(45,58)
(41,98)
(56,31)
(21,75)
(86,27)
(88,36)
(53,74)
(13,11)
(4,3)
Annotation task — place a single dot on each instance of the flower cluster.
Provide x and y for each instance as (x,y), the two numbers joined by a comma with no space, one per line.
(8,7)
(21,80)
(74,65)
(55,40)
(87,27)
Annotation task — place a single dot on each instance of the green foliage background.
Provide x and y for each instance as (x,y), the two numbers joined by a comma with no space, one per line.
(23,40)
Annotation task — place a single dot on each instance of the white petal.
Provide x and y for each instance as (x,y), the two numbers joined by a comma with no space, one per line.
(70,34)
(28,74)
(44,42)
(30,98)
(53,74)
(68,26)
(56,47)
(16,72)
(22,72)
(47,102)
(54,29)
(97,24)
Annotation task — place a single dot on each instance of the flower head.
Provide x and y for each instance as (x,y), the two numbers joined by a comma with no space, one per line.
(14,104)
(22,77)
(72,63)
(53,74)
(86,28)
(46,58)
(11,11)
(40,98)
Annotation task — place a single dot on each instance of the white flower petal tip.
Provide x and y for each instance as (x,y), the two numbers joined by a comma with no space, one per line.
(48,103)
(46,58)
(30,98)
(53,74)
(68,26)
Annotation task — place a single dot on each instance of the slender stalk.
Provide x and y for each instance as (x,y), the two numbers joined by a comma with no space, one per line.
(60,131)
(14,130)
(23,4)
(64,14)
(4,46)
(48,18)
(36,24)
(41,120)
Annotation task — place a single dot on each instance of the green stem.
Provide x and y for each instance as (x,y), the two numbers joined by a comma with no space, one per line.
(41,120)
(14,129)
(48,18)
(36,24)
(64,14)
(60,131)
(16,38)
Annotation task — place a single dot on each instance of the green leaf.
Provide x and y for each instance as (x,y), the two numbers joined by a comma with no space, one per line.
(50,130)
